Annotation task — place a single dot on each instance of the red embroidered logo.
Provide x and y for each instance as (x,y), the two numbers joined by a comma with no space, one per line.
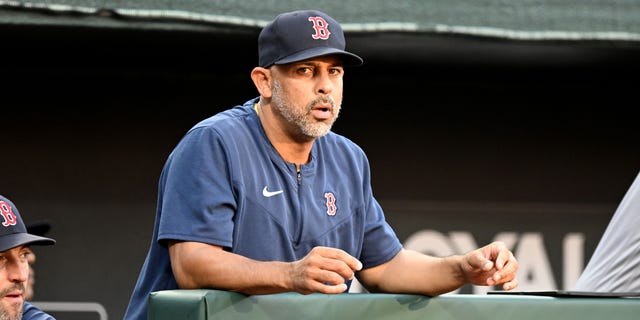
(321,28)
(331,203)
(9,217)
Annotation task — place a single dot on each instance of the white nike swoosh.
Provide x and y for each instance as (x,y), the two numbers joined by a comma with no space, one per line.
(268,193)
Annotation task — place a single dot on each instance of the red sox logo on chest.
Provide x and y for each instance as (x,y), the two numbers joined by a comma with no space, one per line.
(331,203)
(9,218)
(321,28)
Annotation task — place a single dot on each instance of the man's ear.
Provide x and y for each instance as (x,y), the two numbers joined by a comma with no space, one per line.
(262,80)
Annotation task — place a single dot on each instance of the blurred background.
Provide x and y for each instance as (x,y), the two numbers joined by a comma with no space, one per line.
(482,121)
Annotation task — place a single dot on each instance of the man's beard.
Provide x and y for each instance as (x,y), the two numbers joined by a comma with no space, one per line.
(5,314)
(302,119)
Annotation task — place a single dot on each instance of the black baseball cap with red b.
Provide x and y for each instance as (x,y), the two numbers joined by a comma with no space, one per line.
(300,35)
(13,232)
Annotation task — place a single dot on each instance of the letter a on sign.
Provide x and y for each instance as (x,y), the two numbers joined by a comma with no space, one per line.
(321,27)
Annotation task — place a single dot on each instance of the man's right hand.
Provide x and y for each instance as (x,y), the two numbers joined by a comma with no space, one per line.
(324,270)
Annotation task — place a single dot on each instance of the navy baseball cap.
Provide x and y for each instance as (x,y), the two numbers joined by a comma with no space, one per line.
(13,232)
(301,35)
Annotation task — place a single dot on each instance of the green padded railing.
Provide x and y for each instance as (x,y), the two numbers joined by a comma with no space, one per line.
(214,304)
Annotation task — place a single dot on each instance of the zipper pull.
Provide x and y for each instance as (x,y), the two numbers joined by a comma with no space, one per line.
(298,173)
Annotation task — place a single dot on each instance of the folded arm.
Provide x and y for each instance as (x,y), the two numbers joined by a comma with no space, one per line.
(414,272)
(200,265)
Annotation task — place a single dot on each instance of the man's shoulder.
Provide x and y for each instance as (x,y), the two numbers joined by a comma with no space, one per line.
(31,312)
(227,117)
(336,140)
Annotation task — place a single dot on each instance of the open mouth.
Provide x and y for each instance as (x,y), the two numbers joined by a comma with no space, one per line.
(322,112)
